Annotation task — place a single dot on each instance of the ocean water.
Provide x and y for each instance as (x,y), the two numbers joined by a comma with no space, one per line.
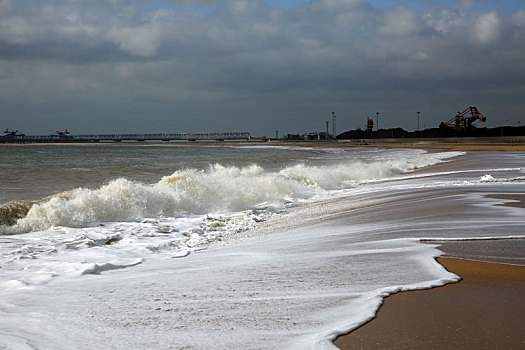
(191,247)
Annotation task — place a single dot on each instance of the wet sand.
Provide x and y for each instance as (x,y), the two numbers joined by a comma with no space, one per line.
(483,311)
(516,200)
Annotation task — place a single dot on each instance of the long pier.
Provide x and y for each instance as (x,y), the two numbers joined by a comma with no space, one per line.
(61,137)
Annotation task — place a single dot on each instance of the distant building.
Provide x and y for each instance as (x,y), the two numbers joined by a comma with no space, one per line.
(311,136)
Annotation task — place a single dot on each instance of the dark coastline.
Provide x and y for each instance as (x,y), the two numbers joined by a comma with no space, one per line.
(510,144)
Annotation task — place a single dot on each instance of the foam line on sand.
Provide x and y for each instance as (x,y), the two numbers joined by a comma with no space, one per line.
(483,311)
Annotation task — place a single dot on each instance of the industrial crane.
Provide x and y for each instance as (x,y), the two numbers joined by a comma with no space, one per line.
(463,120)
(63,134)
(12,133)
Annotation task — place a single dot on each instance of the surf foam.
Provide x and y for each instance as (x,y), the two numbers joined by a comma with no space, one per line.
(218,189)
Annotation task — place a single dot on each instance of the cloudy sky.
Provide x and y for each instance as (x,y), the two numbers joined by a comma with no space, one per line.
(257,65)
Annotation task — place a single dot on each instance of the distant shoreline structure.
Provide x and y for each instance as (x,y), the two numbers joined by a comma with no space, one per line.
(13,136)
(399,133)
(459,126)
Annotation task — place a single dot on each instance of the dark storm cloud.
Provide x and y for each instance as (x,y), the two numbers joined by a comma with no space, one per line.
(224,65)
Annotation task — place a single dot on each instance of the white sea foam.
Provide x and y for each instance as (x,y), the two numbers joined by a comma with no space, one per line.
(183,212)
(487,178)
(219,189)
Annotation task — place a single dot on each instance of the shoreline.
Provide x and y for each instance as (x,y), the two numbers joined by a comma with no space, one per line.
(483,310)
(514,144)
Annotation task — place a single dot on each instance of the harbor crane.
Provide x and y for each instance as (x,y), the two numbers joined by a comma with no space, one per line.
(12,133)
(463,120)
(63,134)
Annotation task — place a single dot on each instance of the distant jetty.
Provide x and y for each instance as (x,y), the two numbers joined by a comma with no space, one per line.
(14,136)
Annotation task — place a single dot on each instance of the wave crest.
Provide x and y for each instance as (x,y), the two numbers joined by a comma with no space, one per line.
(218,189)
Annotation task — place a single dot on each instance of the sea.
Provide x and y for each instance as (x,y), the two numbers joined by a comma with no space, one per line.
(231,247)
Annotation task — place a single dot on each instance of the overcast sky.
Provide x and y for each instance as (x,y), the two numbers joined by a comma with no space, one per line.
(106,66)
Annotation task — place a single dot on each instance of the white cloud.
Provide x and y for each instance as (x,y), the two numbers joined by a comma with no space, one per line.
(16,30)
(444,21)
(401,21)
(487,27)
(265,30)
(352,18)
(518,18)
(422,56)
(141,41)
(240,7)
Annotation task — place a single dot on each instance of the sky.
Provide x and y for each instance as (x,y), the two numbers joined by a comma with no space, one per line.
(126,66)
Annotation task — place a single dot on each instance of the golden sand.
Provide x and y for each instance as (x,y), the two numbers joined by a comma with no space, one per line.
(483,311)
(516,200)
(515,145)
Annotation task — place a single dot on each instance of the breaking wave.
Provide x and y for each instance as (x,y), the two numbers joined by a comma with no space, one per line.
(218,189)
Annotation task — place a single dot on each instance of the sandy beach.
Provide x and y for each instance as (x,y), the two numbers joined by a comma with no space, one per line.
(483,311)
(512,144)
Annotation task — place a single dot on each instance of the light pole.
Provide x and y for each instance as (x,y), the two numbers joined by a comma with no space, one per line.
(418,124)
(333,123)
(327,134)
(377,121)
